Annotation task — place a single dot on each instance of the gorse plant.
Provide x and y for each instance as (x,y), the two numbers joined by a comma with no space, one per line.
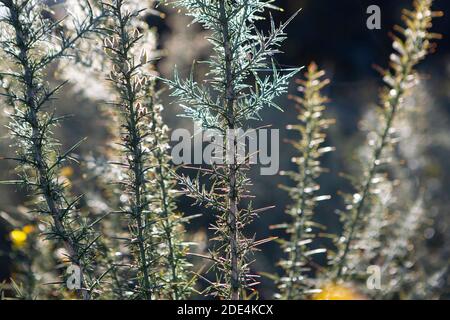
(298,279)
(154,226)
(129,83)
(126,238)
(236,93)
(33,40)
(419,125)
(376,229)
(401,218)
(411,47)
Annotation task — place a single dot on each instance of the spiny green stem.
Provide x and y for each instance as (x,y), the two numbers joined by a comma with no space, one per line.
(136,153)
(301,218)
(232,192)
(411,51)
(40,164)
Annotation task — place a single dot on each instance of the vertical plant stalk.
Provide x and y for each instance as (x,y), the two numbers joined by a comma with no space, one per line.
(410,50)
(128,79)
(31,124)
(240,52)
(164,246)
(311,106)
(233,192)
(171,223)
(153,221)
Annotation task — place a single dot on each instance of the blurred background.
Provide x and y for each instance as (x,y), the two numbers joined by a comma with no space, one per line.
(334,35)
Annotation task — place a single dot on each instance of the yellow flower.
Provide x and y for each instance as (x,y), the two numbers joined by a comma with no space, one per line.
(28,229)
(337,292)
(18,238)
(66,172)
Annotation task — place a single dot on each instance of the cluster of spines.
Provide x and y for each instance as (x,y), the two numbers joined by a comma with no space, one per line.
(38,151)
(297,279)
(154,225)
(411,46)
(240,53)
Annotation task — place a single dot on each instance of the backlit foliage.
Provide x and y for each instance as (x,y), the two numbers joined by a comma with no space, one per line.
(238,89)
(411,45)
(113,212)
(298,279)
(154,226)
(31,41)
